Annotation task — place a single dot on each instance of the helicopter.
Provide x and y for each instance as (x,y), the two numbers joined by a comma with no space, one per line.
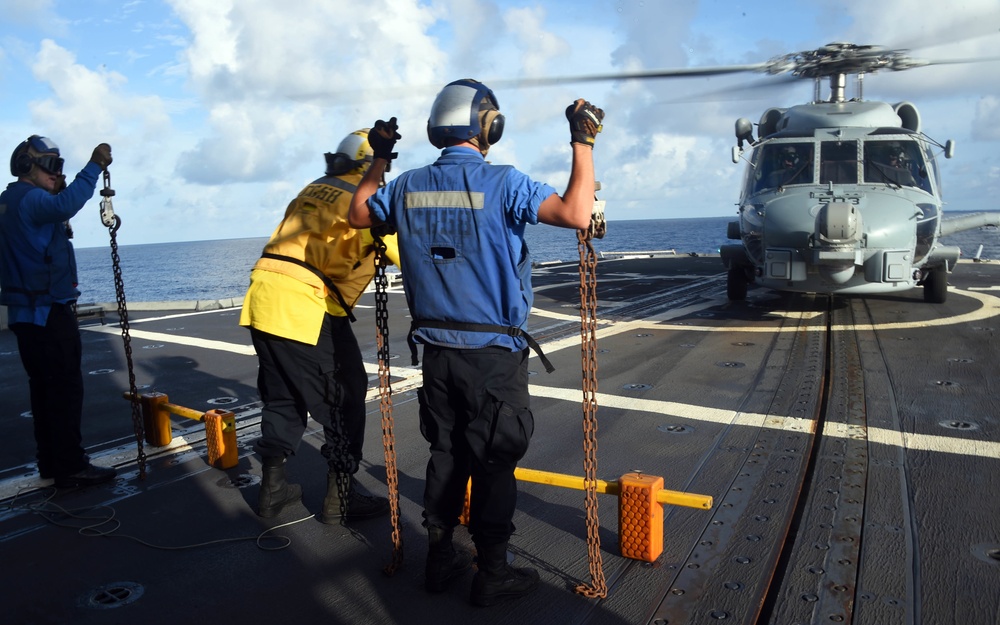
(842,196)
(839,195)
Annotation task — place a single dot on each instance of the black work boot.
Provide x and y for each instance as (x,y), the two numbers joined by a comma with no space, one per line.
(444,563)
(275,491)
(496,580)
(356,505)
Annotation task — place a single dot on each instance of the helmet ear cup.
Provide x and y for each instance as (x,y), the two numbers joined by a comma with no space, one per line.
(491,126)
(20,162)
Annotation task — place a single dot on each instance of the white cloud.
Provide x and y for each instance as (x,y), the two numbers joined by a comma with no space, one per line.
(88,107)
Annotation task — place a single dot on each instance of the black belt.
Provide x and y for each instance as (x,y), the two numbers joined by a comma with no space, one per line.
(474,327)
(330,286)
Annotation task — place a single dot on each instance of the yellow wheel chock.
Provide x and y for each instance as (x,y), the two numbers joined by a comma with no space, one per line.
(640,506)
(220,427)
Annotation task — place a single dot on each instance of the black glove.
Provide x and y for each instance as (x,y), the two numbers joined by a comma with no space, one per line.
(382,230)
(383,137)
(102,156)
(584,122)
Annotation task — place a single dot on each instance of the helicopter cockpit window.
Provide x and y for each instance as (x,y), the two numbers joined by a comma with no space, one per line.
(838,162)
(783,164)
(896,163)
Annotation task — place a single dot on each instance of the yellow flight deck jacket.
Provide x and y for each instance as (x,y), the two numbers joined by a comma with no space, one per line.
(288,300)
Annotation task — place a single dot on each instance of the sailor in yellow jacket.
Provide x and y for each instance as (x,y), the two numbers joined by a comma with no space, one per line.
(311,274)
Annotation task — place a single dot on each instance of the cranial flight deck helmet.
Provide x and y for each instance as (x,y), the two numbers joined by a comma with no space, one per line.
(465,110)
(21,160)
(788,154)
(354,152)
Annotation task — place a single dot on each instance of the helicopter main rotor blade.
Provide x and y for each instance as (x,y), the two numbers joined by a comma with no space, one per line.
(689,72)
(751,90)
(981,59)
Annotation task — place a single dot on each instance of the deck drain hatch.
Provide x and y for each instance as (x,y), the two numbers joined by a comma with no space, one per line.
(988,553)
(222,401)
(243,480)
(114,595)
(676,429)
(636,387)
(958,425)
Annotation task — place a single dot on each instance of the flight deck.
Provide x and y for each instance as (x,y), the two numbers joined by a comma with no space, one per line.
(850,448)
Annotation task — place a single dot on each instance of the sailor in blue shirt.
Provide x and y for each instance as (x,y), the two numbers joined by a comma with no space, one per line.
(467,274)
(38,285)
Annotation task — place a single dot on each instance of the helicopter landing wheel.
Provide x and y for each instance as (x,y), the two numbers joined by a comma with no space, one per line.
(736,284)
(936,286)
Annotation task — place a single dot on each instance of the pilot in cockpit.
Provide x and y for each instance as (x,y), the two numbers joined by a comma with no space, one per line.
(792,168)
(890,166)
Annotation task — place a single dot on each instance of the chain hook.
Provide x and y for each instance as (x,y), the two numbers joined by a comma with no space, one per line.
(108,217)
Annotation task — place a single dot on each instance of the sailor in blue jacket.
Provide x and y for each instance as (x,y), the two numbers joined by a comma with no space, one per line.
(467,274)
(38,284)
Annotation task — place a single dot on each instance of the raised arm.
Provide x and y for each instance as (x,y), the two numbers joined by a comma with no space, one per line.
(382,137)
(573,209)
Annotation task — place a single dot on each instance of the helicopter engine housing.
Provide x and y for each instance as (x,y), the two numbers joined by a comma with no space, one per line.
(908,115)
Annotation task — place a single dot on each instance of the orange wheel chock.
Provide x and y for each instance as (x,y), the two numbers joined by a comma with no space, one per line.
(641,499)
(220,433)
(640,517)
(156,418)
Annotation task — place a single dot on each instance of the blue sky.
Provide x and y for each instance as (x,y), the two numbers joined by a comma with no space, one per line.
(219,111)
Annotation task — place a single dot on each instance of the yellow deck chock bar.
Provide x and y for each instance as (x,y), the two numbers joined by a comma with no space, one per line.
(640,506)
(220,427)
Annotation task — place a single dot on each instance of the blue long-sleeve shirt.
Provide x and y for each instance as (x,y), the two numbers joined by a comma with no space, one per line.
(35,251)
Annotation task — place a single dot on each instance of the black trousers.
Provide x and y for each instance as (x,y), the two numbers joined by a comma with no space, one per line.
(52,357)
(474,412)
(326,381)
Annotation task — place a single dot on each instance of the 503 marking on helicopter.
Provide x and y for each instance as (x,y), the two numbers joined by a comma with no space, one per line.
(842,196)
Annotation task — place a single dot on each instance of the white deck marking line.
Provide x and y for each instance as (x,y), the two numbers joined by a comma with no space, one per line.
(178,339)
(910,441)
(233,348)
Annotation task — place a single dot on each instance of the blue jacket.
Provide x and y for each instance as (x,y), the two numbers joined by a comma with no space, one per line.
(37,261)
(461,228)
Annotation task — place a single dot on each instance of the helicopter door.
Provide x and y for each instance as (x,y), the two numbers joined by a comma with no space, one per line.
(839,162)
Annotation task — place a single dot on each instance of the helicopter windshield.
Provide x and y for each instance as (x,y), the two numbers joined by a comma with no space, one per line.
(839,162)
(782,164)
(896,163)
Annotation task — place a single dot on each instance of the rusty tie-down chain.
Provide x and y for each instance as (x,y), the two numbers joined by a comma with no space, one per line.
(113,222)
(588,353)
(385,403)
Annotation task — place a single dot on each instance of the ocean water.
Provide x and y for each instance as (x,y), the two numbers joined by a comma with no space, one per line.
(206,270)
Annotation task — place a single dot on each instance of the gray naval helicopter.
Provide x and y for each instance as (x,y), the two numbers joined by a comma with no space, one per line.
(839,195)
(842,196)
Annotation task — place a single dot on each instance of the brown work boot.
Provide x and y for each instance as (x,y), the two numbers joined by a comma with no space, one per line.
(354,506)
(496,580)
(275,491)
(444,562)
